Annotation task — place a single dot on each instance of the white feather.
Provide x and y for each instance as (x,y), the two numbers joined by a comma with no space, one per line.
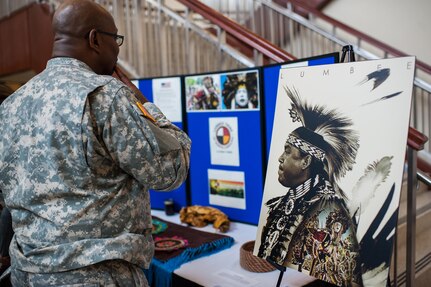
(366,187)
(376,277)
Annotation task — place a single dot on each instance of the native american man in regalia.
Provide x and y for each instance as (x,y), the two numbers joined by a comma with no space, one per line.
(310,228)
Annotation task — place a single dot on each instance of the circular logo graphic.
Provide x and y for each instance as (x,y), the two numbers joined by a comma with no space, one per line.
(223,135)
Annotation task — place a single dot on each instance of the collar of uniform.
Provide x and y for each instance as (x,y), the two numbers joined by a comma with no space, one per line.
(65,61)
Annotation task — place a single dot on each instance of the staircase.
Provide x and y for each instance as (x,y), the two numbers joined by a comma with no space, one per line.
(423,238)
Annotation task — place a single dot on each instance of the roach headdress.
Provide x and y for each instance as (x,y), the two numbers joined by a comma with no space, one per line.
(325,134)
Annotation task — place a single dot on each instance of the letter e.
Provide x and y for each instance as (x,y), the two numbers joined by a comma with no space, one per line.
(409,65)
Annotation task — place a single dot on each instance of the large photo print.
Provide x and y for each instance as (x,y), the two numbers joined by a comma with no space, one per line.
(335,168)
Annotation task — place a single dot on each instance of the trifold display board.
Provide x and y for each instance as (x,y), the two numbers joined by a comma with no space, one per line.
(223,113)
(270,84)
(229,117)
(166,93)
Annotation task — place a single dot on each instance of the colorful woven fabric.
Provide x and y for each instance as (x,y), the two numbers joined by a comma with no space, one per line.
(200,244)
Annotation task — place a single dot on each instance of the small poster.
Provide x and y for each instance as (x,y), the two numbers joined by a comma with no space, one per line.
(332,189)
(224,141)
(136,83)
(226,188)
(167,96)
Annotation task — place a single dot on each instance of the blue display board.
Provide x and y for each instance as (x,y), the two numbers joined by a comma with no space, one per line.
(270,85)
(166,93)
(224,121)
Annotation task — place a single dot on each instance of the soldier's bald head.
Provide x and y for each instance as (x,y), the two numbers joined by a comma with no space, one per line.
(78,17)
(80,31)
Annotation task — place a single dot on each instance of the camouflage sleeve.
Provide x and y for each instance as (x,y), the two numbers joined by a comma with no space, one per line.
(157,154)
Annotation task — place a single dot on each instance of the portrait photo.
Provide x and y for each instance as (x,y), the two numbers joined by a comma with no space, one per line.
(333,182)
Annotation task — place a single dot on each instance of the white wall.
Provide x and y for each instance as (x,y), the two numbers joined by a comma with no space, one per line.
(402,24)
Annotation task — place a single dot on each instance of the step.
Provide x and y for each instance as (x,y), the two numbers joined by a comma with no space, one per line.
(423,277)
(422,248)
(423,259)
(422,236)
(423,203)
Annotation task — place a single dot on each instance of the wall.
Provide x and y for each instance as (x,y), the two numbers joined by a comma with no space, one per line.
(405,25)
(26,41)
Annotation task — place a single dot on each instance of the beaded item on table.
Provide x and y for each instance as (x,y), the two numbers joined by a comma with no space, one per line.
(169,243)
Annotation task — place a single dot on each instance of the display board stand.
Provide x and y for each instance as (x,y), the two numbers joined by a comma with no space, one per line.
(347,50)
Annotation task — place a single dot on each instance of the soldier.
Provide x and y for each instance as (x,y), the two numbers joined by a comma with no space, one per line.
(79,151)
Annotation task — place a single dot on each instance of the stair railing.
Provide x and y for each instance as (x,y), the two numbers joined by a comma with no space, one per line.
(318,33)
(415,143)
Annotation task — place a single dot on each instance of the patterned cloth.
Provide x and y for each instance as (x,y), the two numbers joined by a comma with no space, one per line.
(199,244)
(77,158)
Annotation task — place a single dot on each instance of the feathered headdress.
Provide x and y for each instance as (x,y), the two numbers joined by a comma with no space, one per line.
(341,142)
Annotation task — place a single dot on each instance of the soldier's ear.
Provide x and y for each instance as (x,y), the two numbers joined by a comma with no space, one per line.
(93,40)
(306,161)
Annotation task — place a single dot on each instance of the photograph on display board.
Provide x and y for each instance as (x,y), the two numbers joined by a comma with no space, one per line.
(203,93)
(223,136)
(334,175)
(226,188)
(167,96)
(223,91)
(240,90)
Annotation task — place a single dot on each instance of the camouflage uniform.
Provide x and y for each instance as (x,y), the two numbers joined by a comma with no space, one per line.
(77,158)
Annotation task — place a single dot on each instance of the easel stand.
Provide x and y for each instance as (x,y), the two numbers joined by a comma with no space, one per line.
(347,50)
(279,267)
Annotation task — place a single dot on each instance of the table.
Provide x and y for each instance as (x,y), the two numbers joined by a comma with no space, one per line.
(223,270)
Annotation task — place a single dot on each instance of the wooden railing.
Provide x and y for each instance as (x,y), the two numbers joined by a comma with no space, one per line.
(239,32)
(416,139)
(415,143)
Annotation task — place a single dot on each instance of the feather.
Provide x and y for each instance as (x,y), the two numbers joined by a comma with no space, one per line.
(366,187)
(378,77)
(383,98)
(376,277)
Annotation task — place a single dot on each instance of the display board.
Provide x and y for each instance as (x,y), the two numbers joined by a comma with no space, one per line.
(166,94)
(333,182)
(224,122)
(270,84)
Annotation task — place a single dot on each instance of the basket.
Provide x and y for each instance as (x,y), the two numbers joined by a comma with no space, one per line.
(253,263)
